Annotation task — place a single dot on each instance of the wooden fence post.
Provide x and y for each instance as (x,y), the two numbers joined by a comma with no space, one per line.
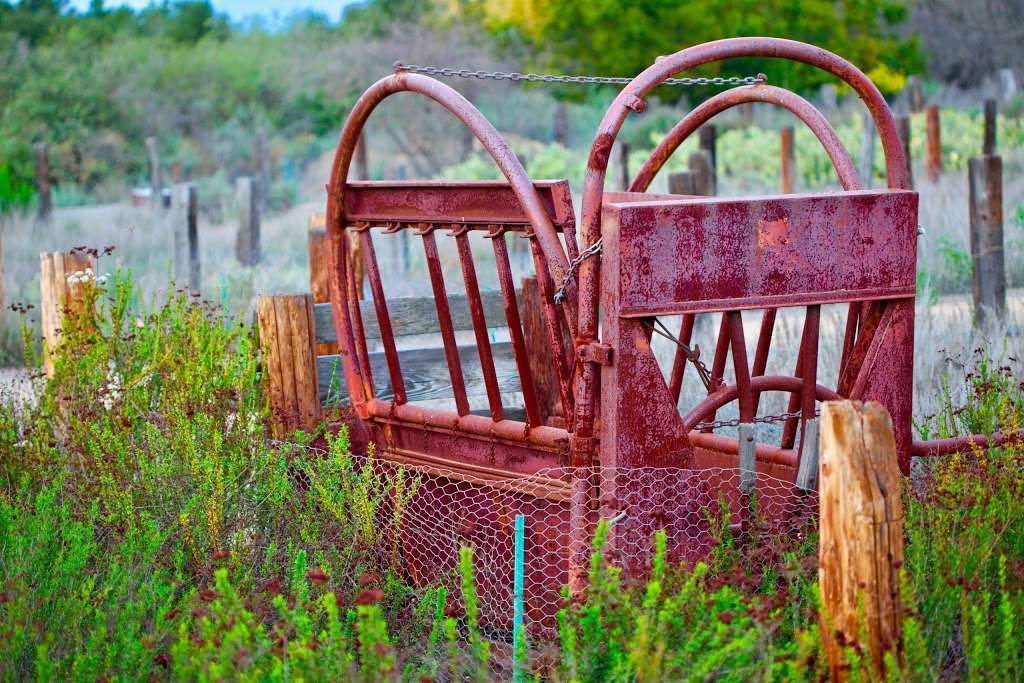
(916,94)
(903,123)
(63,279)
(263,168)
(362,161)
(985,183)
(624,166)
(867,149)
(43,181)
(787,159)
(682,182)
(702,168)
(189,249)
(561,125)
(934,132)
(289,361)
(247,244)
(708,139)
(861,534)
(989,145)
(155,188)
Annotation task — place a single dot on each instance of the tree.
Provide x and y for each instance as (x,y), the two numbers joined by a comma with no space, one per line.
(623,37)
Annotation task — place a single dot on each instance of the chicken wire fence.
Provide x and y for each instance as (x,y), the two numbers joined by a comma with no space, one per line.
(520,531)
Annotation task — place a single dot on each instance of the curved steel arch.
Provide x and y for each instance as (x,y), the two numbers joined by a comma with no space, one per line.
(769,94)
(500,152)
(631,99)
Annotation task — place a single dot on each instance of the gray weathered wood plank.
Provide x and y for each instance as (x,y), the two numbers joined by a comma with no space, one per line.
(425,372)
(413,315)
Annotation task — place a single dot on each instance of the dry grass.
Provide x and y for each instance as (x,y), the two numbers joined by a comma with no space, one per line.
(143,239)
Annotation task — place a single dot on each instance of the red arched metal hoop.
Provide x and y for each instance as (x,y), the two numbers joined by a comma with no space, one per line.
(769,94)
(492,141)
(631,99)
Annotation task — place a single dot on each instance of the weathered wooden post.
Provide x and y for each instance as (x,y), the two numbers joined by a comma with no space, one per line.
(263,168)
(860,536)
(903,123)
(561,125)
(702,168)
(985,184)
(916,94)
(289,361)
(708,142)
(682,182)
(247,244)
(63,282)
(989,145)
(362,160)
(934,134)
(787,159)
(624,166)
(190,200)
(867,148)
(155,187)
(698,181)
(43,181)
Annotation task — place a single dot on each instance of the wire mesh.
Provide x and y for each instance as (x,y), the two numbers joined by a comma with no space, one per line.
(448,510)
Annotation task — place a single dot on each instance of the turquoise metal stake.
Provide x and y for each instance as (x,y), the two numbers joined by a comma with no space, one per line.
(518,640)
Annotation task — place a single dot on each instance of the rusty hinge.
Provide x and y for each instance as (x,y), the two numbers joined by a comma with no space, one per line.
(595,352)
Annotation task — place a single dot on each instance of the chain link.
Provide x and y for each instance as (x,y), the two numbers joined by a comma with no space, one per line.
(574,266)
(515,76)
(760,419)
(692,354)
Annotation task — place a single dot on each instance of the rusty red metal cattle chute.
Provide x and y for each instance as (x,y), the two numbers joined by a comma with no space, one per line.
(643,256)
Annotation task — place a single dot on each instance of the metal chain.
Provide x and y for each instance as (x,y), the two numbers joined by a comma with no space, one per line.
(574,266)
(515,76)
(692,354)
(761,419)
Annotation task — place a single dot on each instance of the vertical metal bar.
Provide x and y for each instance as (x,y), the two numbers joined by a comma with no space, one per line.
(515,325)
(807,470)
(747,432)
(387,335)
(518,638)
(356,313)
(476,312)
(809,368)
(764,343)
(675,384)
(790,425)
(740,367)
(551,317)
(571,247)
(850,337)
(718,364)
(444,319)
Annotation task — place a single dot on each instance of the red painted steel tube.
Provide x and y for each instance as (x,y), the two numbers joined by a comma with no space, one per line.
(675,385)
(727,394)
(515,326)
(739,364)
(476,312)
(726,444)
(554,330)
(631,99)
(809,353)
(551,438)
(444,320)
(850,336)
(801,108)
(764,342)
(718,362)
(380,304)
(964,444)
